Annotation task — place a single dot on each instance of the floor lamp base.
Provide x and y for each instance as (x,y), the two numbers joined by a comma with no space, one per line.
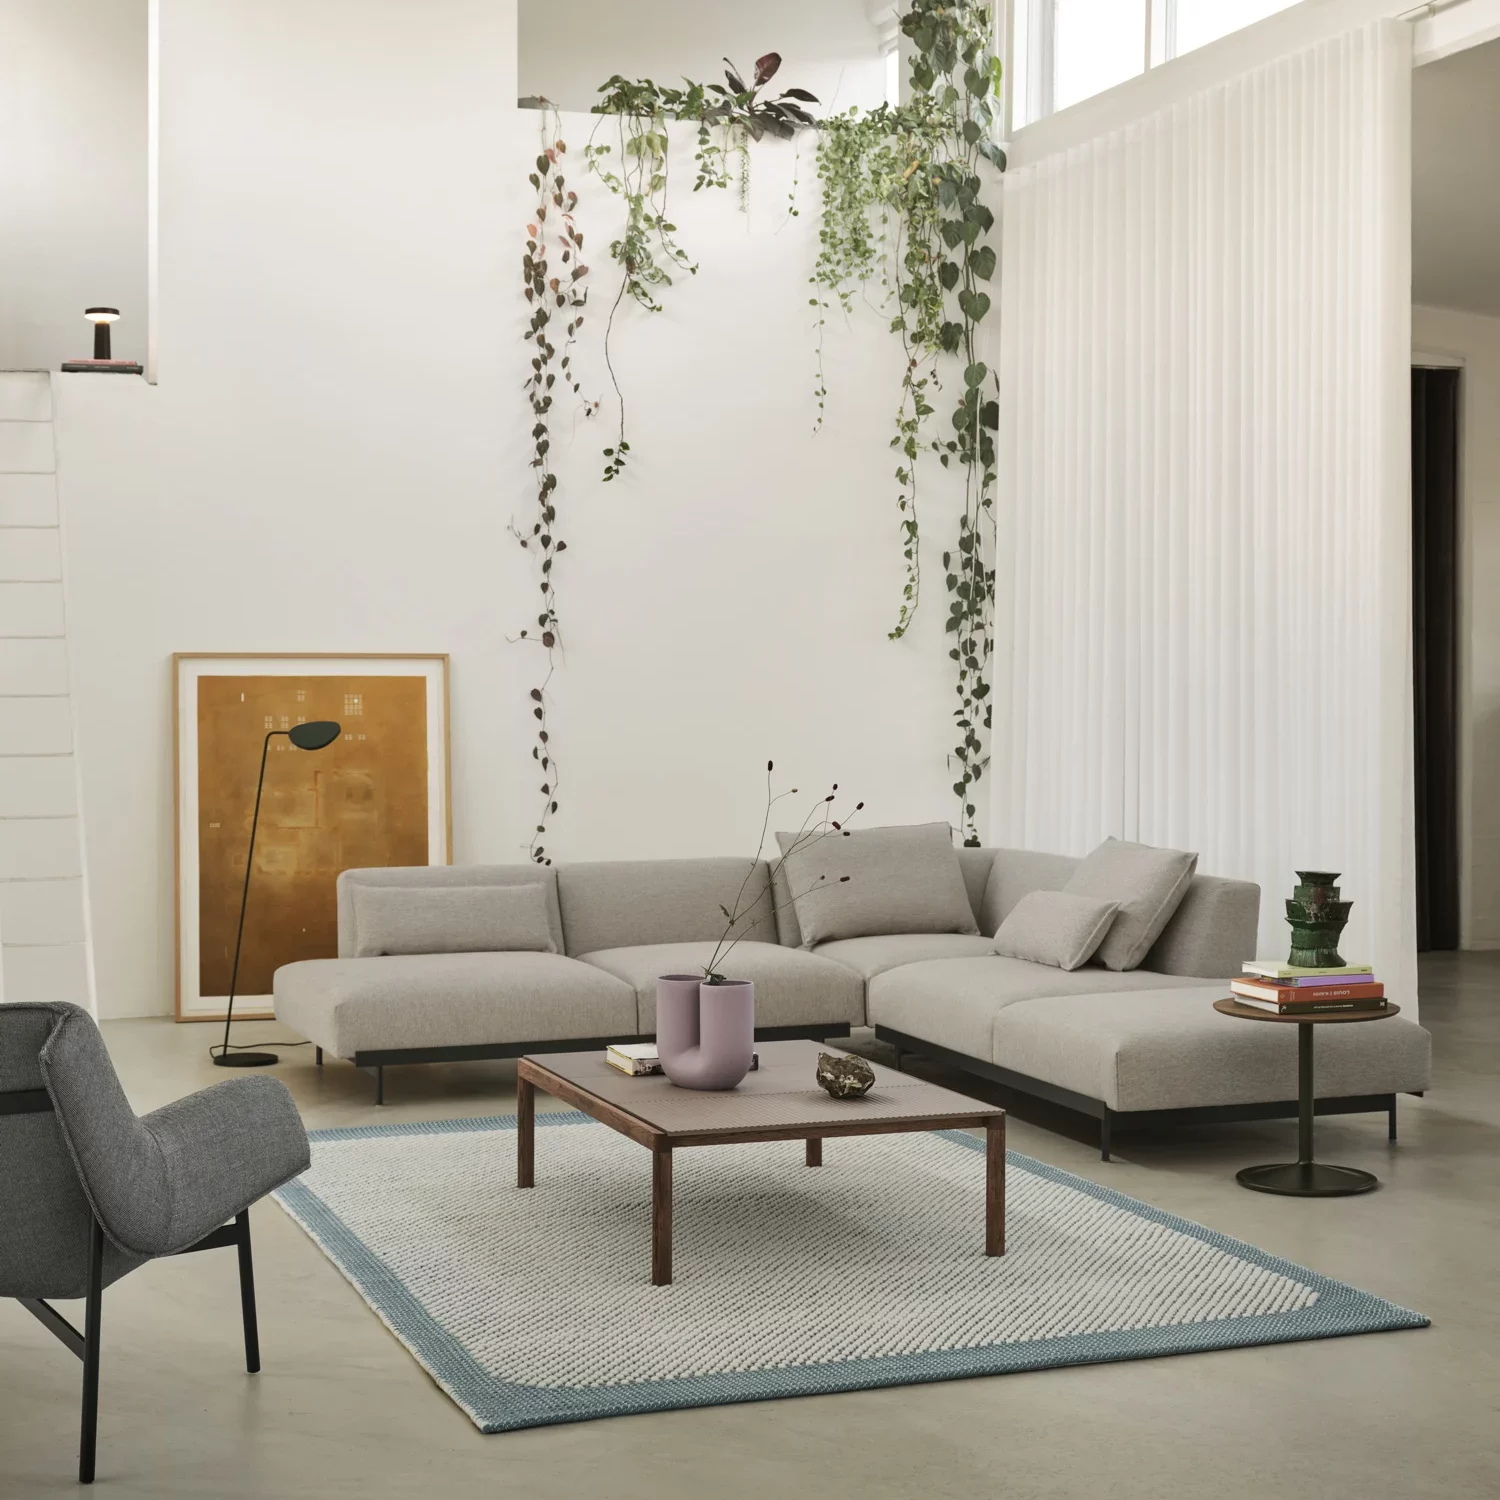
(245,1059)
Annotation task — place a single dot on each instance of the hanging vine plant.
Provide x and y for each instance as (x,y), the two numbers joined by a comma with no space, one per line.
(729,116)
(903,208)
(553,294)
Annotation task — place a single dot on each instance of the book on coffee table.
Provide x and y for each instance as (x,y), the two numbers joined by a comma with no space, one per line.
(639,1059)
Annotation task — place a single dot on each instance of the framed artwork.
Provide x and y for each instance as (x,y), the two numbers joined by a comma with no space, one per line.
(377,795)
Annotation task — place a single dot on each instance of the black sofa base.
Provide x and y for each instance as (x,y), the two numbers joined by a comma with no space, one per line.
(1134,1119)
(375,1063)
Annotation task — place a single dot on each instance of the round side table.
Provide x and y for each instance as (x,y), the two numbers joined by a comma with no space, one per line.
(1305,1178)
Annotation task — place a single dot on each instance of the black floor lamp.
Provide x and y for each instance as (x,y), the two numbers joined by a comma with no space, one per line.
(313,736)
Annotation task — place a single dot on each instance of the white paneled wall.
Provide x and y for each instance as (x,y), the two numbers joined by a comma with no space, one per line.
(1206,318)
(44,948)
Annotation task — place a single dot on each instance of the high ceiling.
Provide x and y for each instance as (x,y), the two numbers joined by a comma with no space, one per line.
(1456,181)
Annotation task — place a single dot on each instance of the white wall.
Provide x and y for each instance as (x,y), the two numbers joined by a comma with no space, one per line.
(72,177)
(338,442)
(1476,340)
(570,47)
(44,949)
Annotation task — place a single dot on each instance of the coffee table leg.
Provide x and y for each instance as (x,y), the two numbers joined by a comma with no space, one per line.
(994,1187)
(815,1151)
(525,1133)
(661,1216)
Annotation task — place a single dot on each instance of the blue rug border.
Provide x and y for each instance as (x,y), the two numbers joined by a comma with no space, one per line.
(496,1405)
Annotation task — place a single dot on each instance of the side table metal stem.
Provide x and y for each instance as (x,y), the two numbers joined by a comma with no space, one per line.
(1306,1178)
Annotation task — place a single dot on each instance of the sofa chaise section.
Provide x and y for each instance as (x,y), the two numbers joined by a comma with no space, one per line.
(1148,1051)
(434,1007)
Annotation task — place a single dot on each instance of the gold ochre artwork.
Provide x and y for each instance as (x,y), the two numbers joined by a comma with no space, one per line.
(359,803)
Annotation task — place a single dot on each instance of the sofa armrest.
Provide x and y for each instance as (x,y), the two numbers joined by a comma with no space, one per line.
(1212,932)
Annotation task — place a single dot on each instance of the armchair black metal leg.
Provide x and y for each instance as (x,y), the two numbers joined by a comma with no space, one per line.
(88,1436)
(380,1084)
(318,1057)
(247,1293)
(1104,1132)
(1391,1120)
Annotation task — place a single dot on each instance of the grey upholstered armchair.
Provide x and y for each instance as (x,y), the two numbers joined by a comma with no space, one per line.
(88,1191)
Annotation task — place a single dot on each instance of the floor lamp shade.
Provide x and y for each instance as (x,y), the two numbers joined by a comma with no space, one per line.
(315,736)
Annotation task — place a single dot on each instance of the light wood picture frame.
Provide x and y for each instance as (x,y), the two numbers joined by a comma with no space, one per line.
(380,794)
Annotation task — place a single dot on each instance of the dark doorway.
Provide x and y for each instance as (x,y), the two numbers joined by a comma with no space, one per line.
(1434,536)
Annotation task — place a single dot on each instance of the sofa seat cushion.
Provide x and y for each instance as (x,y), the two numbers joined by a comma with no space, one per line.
(349,1005)
(792,988)
(953,1002)
(869,956)
(1170,1049)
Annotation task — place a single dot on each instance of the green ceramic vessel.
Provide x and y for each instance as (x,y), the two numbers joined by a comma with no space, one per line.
(1317,918)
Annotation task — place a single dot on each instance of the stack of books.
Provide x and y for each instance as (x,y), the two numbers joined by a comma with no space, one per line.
(1288,990)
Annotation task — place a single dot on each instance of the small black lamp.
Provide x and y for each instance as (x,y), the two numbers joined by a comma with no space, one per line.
(101,318)
(314,736)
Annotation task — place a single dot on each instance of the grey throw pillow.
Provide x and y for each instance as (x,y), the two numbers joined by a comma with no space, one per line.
(899,880)
(451,919)
(1149,885)
(1056,928)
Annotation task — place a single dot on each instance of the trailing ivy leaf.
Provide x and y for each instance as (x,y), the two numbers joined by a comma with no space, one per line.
(975,374)
(947,273)
(982,262)
(974,304)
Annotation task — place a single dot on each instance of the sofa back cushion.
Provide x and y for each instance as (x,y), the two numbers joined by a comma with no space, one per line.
(974,863)
(436,877)
(390,919)
(627,903)
(877,881)
(1148,883)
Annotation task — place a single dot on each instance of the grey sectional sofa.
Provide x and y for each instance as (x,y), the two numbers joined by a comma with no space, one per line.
(1136,1048)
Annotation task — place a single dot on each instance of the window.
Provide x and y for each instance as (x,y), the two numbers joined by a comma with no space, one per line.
(1098,43)
(1064,51)
(1186,24)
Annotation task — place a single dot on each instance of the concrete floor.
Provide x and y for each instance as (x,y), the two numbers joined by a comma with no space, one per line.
(341,1409)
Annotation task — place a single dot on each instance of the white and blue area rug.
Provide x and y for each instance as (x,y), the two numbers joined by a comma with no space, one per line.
(536,1307)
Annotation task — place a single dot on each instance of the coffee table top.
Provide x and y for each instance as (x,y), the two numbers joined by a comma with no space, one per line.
(780,1099)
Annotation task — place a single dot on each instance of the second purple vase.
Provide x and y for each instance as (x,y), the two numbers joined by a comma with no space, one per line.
(705,1033)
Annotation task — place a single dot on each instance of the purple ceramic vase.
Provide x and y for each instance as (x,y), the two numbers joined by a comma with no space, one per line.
(705,1033)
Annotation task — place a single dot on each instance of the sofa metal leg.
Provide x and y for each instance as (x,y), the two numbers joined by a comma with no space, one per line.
(1104,1133)
(380,1083)
(1390,1127)
(247,1293)
(317,1057)
(88,1437)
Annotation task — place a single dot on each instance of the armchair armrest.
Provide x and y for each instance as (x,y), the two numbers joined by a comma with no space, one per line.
(223,1148)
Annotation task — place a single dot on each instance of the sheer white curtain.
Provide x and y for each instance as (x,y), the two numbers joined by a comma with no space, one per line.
(1204,560)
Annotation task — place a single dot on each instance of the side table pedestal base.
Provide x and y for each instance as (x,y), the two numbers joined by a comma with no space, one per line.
(1307,1179)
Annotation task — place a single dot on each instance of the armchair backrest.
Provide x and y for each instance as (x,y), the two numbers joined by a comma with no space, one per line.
(86,1157)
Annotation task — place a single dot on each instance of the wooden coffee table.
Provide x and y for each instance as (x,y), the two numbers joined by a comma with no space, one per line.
(780,1101)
